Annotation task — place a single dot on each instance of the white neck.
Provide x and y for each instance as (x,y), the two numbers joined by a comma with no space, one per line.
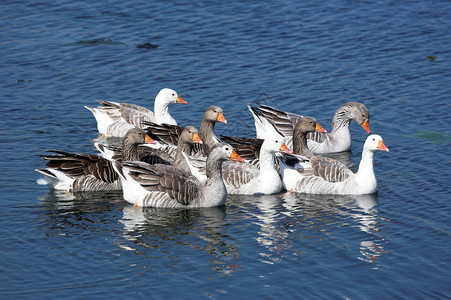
(270,181)
(365,175)
(162,114)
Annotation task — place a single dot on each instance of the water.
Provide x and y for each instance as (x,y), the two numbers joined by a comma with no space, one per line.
(307,57)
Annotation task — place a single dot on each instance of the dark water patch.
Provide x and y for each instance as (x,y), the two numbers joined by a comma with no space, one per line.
(431,136)
(99,41)
(146,46)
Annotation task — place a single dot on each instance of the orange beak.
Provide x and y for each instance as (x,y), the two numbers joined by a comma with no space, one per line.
(381,146)
(319,128)
(148,140)
(366,126)
(196,138)
(285,149)
(181,101)
(221,118)
(234,156)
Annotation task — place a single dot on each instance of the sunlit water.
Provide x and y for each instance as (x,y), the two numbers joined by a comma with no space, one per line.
(306,57)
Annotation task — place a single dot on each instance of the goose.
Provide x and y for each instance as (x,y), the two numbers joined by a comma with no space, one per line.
(329,176)
(249,148)
(158,185)
(170,133)
(160,153)
(338,140)
(115,119)
(87,172)
(250,179)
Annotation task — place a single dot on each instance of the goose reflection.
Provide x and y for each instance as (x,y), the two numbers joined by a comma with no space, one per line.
(73,214)
(171,230)
(80,201)
(361,208)
(289,219)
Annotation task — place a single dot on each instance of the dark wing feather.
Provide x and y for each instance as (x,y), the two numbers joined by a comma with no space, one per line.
(329,169)
(79,164)
(291,159)
(282,121)
(247,148)
(166,133)
(179,185)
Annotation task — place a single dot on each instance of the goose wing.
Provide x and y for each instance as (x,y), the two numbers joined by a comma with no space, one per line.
(177,184)
(78,164)
(282,121)
(247,148)
(318,137)
(237,174)
(329,169)
(165,133)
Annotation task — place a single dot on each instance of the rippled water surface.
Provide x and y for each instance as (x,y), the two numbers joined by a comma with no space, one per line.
(308,57)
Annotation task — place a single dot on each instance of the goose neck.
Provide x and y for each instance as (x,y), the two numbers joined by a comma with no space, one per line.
(129,151)
(366,163)
(300,145)
(214,168)
(206,130)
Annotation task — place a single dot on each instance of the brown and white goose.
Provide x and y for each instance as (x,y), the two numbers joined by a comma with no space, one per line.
(167,186)
(87,172)
(338,140)
(170,134)
(159,153)
(115,119)
(329,176)
(249,148)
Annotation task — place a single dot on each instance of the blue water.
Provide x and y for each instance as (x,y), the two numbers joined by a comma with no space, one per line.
(308,57)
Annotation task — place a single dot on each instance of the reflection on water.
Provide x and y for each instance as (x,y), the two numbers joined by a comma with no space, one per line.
(68,213)
(285,227)
(285,220)
(173,230)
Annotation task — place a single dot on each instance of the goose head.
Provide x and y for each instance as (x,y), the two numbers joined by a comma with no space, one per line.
(169,97)
(215,114)
(136,136)
(190,135)
(308,124)
(359,113)
(273,145)
(224,152)
(374,143)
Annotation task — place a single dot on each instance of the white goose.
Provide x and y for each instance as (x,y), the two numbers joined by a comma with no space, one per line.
(167,186)
(115,119)
(338,140)
(328,176)
(249,179)
(87,172)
